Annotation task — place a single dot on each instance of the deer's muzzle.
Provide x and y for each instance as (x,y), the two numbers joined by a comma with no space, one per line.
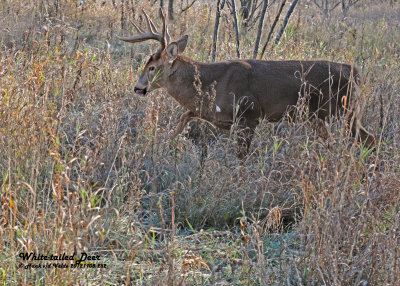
(140,91)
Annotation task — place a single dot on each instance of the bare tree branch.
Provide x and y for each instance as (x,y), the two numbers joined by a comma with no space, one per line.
(326,9)
(220,6)
(285,21)
(161,6)
(235,23)
(318,5)
(171,9)
(253,11)
(337,4)
(346,7)
(188,6)
(260,28)
(273,27)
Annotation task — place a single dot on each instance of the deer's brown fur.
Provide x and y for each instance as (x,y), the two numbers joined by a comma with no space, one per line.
(251,89)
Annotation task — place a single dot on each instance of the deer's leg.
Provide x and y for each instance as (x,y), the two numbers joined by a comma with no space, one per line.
(320,128)
(245,136)
(248,116)
(184,120)
(364,136)
(360,133)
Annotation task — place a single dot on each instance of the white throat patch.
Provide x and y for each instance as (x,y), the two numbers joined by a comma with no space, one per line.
(217,108)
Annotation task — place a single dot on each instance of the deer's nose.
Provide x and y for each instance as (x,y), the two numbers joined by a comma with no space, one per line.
(140,91)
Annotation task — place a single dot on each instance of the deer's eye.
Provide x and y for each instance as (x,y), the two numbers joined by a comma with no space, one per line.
(152,68)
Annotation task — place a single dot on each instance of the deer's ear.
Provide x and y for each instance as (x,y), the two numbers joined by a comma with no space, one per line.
(172,50)
(182,42)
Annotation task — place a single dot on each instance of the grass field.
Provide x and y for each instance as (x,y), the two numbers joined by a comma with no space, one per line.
(87,167)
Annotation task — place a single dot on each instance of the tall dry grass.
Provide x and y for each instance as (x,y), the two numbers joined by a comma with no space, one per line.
(87,166)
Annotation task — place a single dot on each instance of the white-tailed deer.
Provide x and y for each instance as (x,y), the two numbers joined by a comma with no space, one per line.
(245,89)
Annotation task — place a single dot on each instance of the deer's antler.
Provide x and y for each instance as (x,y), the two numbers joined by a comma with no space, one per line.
(151,33)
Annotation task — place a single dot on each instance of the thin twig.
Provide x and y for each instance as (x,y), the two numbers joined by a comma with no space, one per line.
(188,6)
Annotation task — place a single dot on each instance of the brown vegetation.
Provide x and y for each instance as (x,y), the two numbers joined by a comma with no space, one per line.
(87,166)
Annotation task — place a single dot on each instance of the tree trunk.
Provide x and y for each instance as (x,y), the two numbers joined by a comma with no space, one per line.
(260,28)
(272,28)
(285,21)
(122,14)
(220,6)
(171,9)
(235,24)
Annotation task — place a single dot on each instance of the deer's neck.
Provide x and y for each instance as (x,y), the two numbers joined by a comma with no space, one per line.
(186,84)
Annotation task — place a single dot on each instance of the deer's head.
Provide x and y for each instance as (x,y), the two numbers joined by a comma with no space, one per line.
(159,65)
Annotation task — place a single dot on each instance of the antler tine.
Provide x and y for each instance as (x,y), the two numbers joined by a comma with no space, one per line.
(167,37)
(151,34)
(147,21)
(153,27)
(140,30)
(164,27)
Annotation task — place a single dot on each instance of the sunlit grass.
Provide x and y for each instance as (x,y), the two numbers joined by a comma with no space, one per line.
(86,165)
